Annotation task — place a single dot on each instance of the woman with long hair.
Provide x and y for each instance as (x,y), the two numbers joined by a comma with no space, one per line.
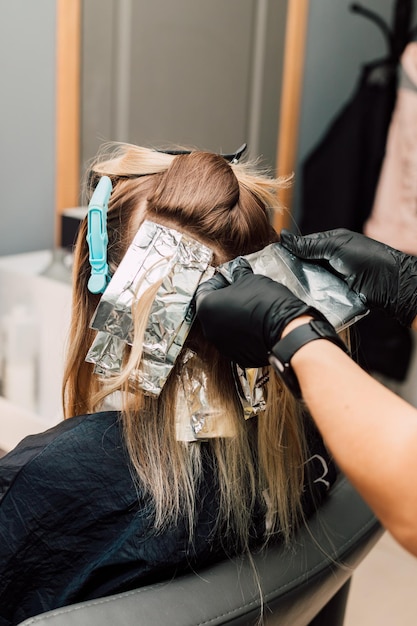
(111,498)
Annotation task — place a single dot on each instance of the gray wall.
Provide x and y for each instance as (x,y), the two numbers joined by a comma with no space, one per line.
(27,125)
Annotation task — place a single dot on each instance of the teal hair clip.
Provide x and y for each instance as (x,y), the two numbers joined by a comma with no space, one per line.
(97,238)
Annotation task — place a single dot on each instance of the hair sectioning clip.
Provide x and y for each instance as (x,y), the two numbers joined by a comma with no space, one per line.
(97,238)
(232,158)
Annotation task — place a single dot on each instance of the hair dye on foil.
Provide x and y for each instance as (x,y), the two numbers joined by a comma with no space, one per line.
(310,282)
(197,417)
(250,385)
(172,264)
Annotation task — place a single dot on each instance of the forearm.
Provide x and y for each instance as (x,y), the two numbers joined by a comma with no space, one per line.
(371,432)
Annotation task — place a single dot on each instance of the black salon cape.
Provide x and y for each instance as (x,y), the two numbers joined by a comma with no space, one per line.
(73,525)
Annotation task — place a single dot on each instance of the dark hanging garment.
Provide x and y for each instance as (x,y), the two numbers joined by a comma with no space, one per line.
(339,177)
(339,180)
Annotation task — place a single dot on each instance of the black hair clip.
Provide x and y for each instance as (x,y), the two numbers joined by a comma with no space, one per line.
(232,158)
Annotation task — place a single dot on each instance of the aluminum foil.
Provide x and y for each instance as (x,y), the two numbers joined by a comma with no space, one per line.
(310,282)
(250,385)
(197,418)
(157,255)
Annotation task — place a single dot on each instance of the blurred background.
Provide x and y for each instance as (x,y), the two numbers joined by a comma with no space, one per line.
(311,87)
(76,73)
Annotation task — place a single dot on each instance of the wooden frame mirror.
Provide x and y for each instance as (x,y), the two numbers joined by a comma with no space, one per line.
(68,87)
(68,74)
(293,70)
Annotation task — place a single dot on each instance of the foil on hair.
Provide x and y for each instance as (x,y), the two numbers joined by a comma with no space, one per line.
(310,282)
(173,264)
(250,385)
(197,417)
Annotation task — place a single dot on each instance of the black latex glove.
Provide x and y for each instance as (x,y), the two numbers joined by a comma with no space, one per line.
(246,318)
(385,277)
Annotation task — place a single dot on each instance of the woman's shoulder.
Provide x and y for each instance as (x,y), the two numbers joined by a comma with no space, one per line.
(82,441)
(81,429)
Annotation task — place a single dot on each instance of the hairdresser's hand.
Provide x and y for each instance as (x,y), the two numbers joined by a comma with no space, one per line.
(246,318)
(385,277)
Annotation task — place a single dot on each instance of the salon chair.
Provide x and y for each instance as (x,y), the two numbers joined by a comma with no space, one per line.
(304,585)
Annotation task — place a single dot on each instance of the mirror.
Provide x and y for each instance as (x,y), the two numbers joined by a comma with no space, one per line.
(192,73)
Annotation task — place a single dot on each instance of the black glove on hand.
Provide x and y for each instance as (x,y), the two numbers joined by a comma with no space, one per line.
(246,318)
(387,278)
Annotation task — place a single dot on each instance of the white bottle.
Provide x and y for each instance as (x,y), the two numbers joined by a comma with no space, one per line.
(20,335)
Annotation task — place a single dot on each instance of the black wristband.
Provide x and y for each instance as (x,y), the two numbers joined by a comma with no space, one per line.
(283,351)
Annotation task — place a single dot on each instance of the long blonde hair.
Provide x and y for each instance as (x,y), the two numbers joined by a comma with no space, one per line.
(226,206)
